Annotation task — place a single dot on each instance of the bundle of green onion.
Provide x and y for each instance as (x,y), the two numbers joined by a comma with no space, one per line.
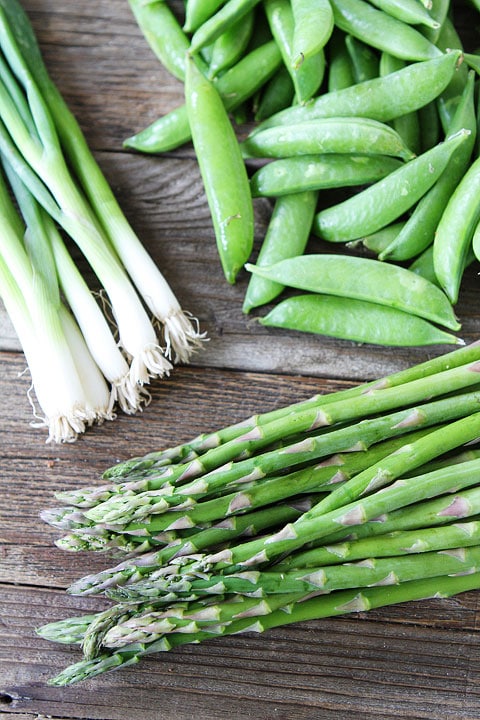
(80,369)
(339,503)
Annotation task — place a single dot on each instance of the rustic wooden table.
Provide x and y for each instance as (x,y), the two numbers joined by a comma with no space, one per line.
(415,661)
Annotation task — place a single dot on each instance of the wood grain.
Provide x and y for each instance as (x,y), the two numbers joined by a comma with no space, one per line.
(415,661)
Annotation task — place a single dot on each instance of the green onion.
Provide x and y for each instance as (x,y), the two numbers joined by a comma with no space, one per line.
(62,195)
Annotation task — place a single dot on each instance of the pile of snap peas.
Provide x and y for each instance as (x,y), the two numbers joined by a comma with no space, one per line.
(358,120)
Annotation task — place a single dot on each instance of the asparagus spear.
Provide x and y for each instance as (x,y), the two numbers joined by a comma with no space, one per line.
(313,526)
(207,441)
(185,542)
(135,506)
(410,456)
(124,624)
(363,573)
(334,604)
(406,511)
(322,476)
(279,578)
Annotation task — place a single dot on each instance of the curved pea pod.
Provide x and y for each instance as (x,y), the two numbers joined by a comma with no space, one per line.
(287,235)
(229,47)
(341,73)
(199,11)
(407,90)
(319,172)
(386,200)
(277,94)
(407,126)
(438,10)
(235,85)
(423,264)
(363,279)
(365,60)
(420,228)
(455,231)
(163,33)
(223,19)
(382,31)
(450,97)
(357,320)
(408,11)
(308,75)
(429,121)
(326,135)
(313,26)
(378,241)
(223,171)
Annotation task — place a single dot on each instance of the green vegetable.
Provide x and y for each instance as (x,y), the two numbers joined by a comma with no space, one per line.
(391,518)
(363,279)
(307,75)
(313,26)
(287,235)
(223,171)
(382,31)
(383,98)
(337,135)
(386,200)
(384,79)
(358,320)
(57,182)
(318,172)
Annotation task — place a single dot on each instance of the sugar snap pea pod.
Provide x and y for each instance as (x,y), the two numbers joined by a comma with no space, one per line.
(419,230)
(223,171)
(306,77)
(429,122)
(365,61)
(325,135)
(235,86)
(229,48)
(356,320)
(455,232)
(317,172)
(438,10)
(287,235)
(221,20)
(363,279)
(450,97)
(408,11)
(199,11)
(407,126)
(163,33)
(423,264)
(341,73)
(277,94)
(386,200)
(313,26)
(407,90)
(377,242)
(476,241)
(382,31)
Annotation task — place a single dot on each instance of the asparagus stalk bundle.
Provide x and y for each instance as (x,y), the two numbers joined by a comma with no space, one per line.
(332,505)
